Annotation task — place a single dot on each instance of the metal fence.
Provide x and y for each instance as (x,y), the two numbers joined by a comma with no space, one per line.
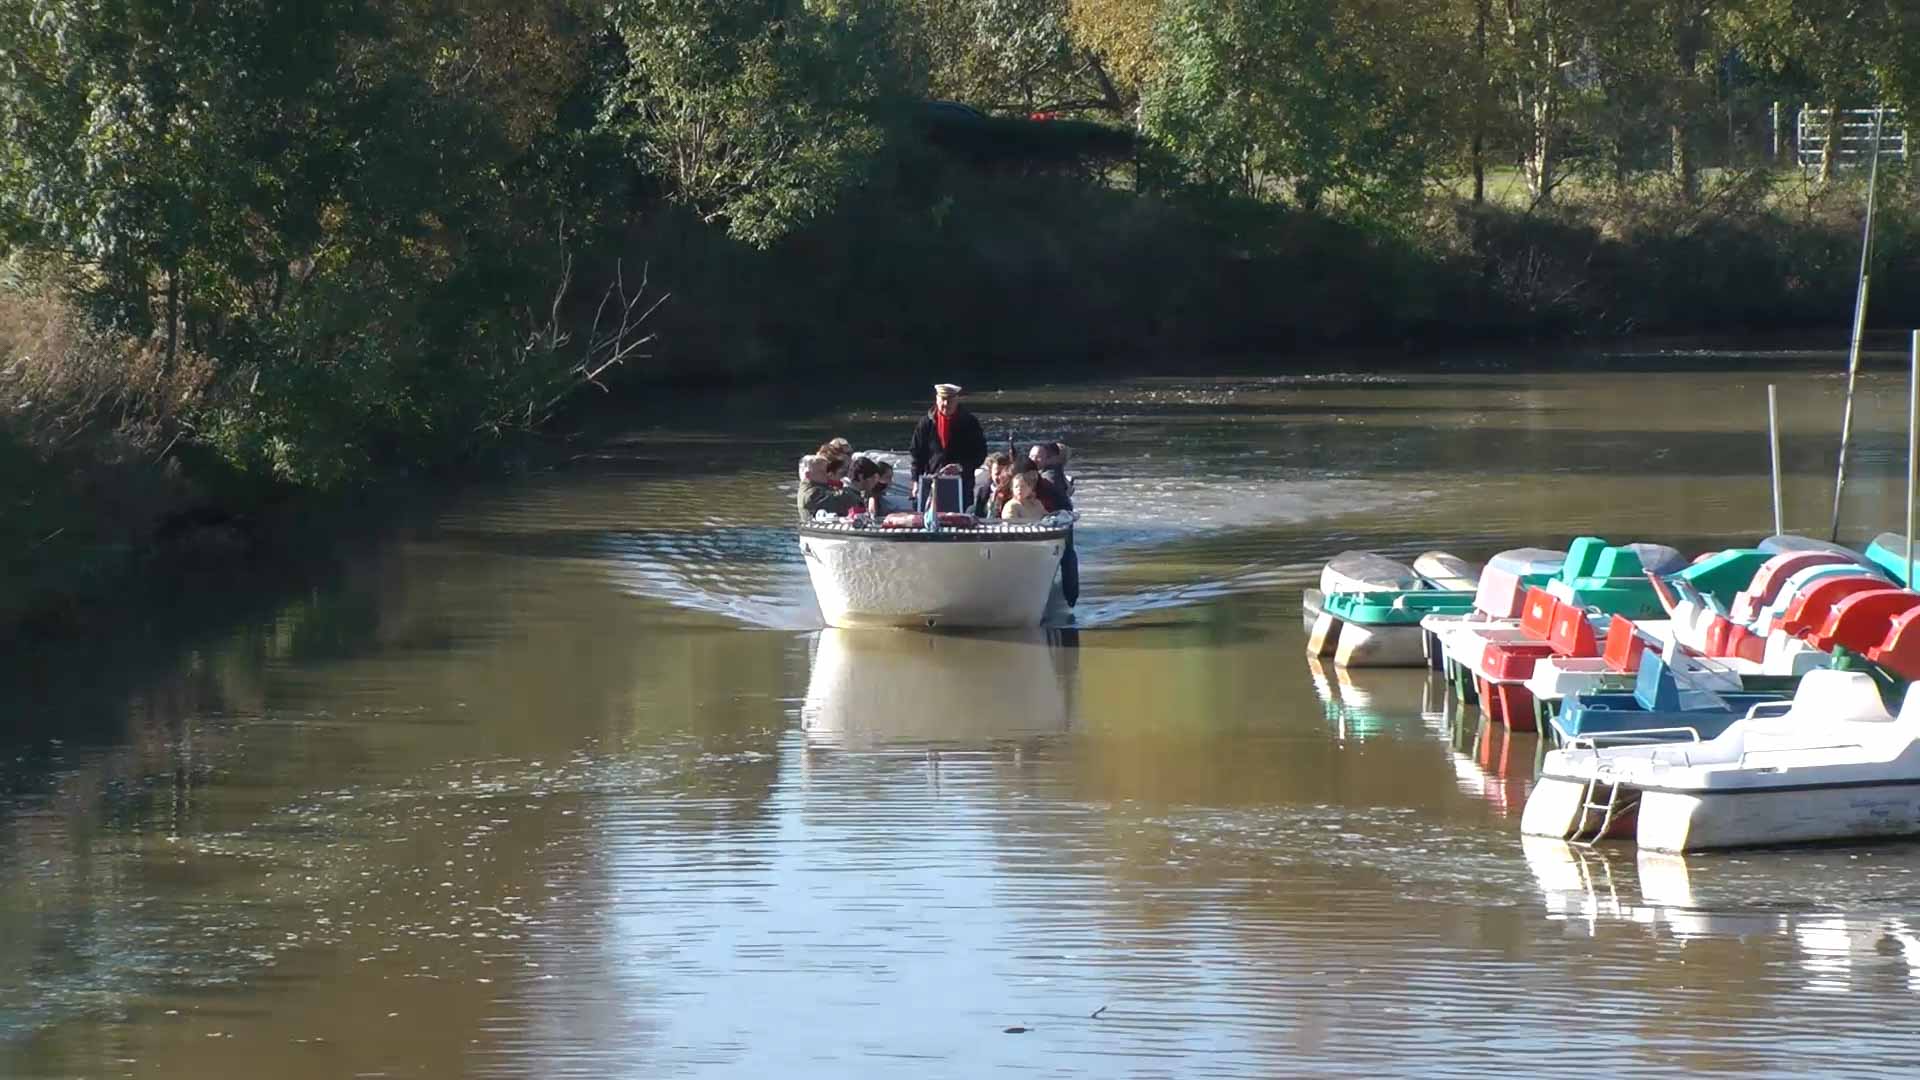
(1855,144)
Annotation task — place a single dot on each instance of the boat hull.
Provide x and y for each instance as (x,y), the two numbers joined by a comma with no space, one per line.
(987,579)
(1380,646)
(1703,821)
(1553,810)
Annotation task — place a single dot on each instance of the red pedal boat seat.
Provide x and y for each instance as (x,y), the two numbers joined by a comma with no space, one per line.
(1861,621)
(1809,609)
(1900,651)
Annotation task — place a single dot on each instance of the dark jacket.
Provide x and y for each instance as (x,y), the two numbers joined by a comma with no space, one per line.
(985,506)
(967,448)
(828,497)
(1053,489)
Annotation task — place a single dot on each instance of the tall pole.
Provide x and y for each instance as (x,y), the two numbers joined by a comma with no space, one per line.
(1859,323)
(1773,436)
(1913,433)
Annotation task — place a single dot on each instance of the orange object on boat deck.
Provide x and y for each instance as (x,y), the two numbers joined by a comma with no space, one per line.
(1718,631)
(1572,633)
(1861,621)
(1810,606)
(1536,613)
(1554,629)
(1900,651)
(1624,646)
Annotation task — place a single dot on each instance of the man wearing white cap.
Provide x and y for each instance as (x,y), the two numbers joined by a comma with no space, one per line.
(948,436)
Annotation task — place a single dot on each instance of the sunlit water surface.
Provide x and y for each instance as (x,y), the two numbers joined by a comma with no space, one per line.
(567,781)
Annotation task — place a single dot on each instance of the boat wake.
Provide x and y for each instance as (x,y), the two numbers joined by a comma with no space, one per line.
(746,574)
(1149,544)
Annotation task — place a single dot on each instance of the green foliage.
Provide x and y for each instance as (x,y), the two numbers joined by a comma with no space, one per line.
(756,115)
(1303,96)
(361,214)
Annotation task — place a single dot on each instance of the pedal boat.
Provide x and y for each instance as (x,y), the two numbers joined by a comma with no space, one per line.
(1832,764)
(1368,608)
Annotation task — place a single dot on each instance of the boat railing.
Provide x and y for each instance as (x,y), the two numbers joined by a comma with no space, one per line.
(1046,528)
(1745,754)
(1598,739)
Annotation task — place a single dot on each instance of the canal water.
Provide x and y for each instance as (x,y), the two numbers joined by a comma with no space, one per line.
(564,778)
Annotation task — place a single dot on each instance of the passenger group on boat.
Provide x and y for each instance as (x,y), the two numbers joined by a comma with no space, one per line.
(978,540)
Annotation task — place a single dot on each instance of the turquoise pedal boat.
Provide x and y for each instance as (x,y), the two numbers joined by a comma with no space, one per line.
(1367,612)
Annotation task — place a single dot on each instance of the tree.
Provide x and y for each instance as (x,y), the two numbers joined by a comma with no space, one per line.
(1317,95)
(1540,45)
(756,113)
(1849,51)
(148,138)
(354,212)
(1119,38)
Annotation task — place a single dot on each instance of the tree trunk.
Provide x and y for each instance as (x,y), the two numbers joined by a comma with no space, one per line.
(1689,29)
(1109,94)
(173,317)
(1830,154)
(1477,151)
(1545,161)
(1538,102)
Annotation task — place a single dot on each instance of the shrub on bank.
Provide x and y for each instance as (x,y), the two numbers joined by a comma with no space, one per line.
(87,423)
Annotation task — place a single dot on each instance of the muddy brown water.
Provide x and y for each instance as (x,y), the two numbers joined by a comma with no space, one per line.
(567,781)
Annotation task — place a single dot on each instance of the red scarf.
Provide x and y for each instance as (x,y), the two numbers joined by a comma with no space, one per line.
(940,427)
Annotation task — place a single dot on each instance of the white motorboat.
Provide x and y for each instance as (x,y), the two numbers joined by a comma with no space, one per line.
(1832,764)
(871,688)
(983,576)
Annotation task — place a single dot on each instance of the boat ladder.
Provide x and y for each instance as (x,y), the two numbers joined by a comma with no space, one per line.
(1603,801)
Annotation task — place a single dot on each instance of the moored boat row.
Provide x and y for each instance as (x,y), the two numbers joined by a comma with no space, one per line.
(1750,696)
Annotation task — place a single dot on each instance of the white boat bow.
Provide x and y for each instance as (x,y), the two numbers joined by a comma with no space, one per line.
(986,576)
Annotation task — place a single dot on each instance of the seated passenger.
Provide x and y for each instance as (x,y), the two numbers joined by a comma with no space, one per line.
(1025,505)
(821,490)
(1056,491)
(864,481)
(998,489)
(883,491)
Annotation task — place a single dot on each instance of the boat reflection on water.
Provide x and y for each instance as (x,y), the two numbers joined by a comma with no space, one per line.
(1379,702)
(1715,896)
(1490,761)
(882,688)
(1593,886)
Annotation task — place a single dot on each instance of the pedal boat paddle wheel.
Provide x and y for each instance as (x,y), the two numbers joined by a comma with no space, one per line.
(961,574)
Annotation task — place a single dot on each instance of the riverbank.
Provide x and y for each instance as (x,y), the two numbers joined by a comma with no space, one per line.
(1029,278)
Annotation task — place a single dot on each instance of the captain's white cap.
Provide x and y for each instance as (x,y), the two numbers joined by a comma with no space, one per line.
(947,389)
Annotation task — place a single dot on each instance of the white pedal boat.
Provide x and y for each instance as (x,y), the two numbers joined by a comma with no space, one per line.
(994,576)
(1832,764)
